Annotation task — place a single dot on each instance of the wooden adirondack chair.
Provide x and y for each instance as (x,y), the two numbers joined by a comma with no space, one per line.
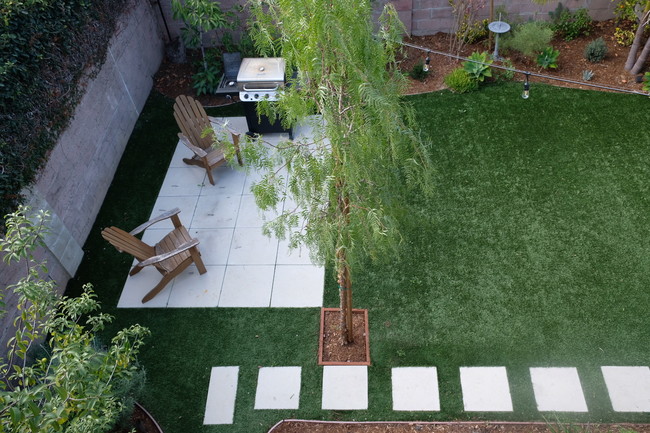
(193,120)
(171,256)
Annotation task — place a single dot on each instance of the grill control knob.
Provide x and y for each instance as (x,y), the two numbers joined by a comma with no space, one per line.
(245,95)
(257,96)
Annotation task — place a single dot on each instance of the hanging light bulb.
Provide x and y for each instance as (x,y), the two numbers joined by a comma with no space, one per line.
(427,61)
(526,92)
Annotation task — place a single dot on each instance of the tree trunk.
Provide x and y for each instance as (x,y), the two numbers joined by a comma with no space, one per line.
(345,293)
(632,61)
(343,275)
(638,66)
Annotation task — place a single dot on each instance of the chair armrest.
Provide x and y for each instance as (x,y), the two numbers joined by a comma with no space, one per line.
(160,257)
(233,132)
(155,220)
(197,150)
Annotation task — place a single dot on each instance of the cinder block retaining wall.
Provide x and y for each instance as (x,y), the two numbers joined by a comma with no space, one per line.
(427,17)
(80,168)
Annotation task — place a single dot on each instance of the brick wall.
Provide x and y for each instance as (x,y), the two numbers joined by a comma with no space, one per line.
(80,168)
(427,17)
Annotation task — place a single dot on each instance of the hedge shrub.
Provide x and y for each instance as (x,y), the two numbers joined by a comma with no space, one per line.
(46,47)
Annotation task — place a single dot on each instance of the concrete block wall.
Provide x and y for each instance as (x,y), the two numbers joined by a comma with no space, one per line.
(74,182)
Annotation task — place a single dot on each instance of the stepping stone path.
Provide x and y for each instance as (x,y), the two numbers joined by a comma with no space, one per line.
(484,389)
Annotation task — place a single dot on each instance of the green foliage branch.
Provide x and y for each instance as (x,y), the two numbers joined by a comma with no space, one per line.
(55,376)
(459,81)
(46,47)
(345,182)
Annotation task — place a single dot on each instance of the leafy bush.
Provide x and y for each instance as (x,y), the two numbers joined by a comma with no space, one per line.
(587,74)
(459,81)
(570,25)
(75,386)
(596,50)
(46,47)
(478,66)
(623,37)
(473,32)
(548,58)
(646,82)
(530,38)
(417,72)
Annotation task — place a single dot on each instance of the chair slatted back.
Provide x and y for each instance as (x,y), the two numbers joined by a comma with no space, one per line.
(125,242)
(193,120)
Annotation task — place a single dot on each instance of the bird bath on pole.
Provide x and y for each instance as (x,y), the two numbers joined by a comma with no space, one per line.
(498,27)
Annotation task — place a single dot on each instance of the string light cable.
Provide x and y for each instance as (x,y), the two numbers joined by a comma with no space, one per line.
(525,73)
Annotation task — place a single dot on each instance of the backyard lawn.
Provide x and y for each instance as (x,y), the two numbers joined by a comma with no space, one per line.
(533,252)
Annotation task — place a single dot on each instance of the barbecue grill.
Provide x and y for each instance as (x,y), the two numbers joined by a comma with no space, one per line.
(261,79)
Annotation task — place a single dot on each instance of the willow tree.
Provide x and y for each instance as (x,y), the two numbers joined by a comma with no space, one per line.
(347,181)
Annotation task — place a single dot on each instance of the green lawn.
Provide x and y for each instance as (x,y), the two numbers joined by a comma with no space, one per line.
(534,251)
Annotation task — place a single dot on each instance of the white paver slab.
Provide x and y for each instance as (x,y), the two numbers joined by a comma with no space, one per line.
(250,215)
(181,181)
(298,286)
(485,389)
(216,211)
(628,387)
(558,389)
(415,389)
(278,388)
(250,247)
(247,286)
(181,152)
(227,181)
(193,290)
(345,387)
(214,244)
(138,285)
(296,256)
(222,391)
(186,204)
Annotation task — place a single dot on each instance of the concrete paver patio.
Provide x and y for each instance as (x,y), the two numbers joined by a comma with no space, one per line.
(245,268)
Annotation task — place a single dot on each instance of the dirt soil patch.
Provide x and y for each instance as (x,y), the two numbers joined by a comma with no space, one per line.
(292,426)
(332,350)
(174,79)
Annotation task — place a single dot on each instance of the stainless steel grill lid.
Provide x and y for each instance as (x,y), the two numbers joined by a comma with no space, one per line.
(261,70)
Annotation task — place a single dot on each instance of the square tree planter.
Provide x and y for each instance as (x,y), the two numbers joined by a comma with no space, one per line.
(331,350)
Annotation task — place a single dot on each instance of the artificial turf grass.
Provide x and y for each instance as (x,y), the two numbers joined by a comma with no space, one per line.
(538,220)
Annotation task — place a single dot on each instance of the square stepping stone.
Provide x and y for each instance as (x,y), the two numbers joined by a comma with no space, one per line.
(222,391)
(227,180)
(415,389)
(628,387)
(278,388)
(485,389)
(345,387)
(214,244)
(558,389)
(186,204)
(298,286)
